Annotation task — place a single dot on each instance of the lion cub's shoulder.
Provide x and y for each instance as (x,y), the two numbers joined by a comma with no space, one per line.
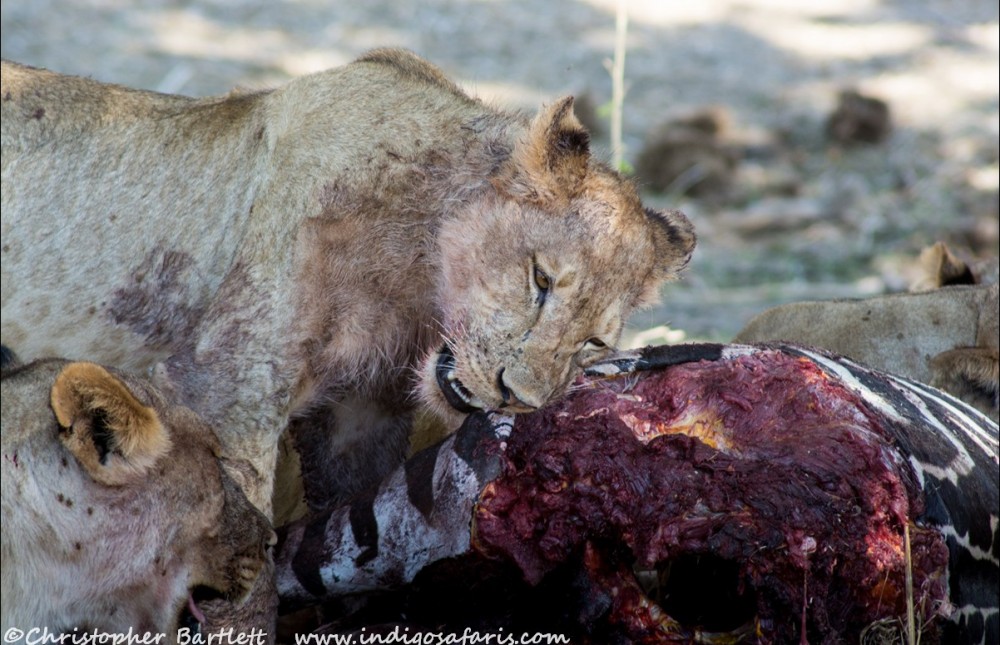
(412,67)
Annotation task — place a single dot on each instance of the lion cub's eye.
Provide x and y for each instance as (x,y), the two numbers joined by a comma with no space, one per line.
(542,279)
(596,343)
(543,283)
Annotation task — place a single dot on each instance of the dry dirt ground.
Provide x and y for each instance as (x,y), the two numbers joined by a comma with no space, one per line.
(793,216)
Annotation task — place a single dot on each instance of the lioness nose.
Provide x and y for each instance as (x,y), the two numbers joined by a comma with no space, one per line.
(509,396)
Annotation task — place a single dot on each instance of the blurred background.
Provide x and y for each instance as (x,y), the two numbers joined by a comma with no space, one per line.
(817,146)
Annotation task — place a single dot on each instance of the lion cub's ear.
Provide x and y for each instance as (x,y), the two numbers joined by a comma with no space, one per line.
(549,163)
(113,435)
(674,240)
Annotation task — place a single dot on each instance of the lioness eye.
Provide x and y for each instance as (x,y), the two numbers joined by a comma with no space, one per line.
(596,343)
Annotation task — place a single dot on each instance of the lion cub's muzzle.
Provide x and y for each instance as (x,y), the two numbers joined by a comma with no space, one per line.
(455,393)
(460,397)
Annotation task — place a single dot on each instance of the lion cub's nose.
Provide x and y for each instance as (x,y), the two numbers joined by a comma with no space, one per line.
(510,397)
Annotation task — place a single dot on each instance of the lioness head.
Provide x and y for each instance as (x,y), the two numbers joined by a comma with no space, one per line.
(117,511)
(539,273)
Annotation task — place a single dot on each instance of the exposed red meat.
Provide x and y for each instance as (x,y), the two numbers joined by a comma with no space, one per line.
(761,463)
(761,496)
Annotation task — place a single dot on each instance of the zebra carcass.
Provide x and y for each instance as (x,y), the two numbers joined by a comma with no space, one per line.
(693,493)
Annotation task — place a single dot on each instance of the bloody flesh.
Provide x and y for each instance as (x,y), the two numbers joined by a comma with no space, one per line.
(762,463)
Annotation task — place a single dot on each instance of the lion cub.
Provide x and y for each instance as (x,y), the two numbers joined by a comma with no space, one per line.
(320,257)
(117,512)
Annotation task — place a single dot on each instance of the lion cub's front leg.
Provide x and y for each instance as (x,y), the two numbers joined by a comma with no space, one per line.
(348,446)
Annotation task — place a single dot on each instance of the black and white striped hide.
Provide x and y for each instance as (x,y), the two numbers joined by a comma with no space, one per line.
(461,496)
(420,514)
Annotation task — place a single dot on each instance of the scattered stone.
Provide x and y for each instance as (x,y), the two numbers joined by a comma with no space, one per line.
(689,156)
(774,215)
(859,119)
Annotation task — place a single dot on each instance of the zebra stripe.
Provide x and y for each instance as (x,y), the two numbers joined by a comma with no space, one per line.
(906,401)
(418,515)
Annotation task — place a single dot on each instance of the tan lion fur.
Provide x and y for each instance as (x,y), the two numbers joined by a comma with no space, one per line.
(115,505)
(947,337)
(297,257)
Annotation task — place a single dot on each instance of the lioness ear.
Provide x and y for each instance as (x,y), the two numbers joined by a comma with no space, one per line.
(674,240)
(550,162)
(112,434)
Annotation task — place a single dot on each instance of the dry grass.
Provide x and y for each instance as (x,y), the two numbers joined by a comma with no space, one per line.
(899,630)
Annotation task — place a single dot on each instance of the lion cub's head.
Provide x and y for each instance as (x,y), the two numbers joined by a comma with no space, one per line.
(117,511)
(540,271)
